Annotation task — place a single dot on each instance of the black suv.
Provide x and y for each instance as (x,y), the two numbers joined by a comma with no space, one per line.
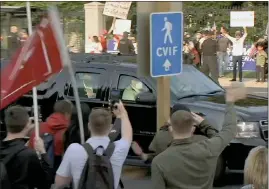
(191,88)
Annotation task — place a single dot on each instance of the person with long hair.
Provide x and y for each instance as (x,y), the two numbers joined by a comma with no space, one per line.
(256,169)
(72,134)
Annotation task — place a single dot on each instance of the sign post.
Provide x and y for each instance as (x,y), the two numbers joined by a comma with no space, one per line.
(166,52)
(144,10)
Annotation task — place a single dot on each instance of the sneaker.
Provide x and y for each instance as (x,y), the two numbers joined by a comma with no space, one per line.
(233,80)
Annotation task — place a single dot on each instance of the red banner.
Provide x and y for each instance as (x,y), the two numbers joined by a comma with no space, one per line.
(34,63)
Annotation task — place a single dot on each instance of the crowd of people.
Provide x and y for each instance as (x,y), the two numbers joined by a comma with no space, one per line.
(182,157)
(210,49)
(15,39)
(99,44)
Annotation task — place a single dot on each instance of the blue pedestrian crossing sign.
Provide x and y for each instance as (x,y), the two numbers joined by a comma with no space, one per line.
(166,43)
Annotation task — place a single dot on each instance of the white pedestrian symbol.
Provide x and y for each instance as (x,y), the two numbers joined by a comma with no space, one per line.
(168,27)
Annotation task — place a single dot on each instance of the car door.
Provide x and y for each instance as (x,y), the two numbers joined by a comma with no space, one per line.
(91,85)
(142,116)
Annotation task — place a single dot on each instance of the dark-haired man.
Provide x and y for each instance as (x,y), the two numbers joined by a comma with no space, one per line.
(24,169)
(75,156)
(126,46)
(223,57)
(238,49)
(189,163)
(56,125)
(209,54)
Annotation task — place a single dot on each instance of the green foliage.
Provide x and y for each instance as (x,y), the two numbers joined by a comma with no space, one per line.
(43,5)
(198,15)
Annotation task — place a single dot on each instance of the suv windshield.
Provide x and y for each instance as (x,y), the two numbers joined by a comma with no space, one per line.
(192,82)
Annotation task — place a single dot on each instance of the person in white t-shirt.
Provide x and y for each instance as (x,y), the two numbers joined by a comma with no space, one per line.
(95,45)
(237,52)
(75,156)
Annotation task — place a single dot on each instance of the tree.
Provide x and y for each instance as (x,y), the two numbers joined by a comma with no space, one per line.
(197,15)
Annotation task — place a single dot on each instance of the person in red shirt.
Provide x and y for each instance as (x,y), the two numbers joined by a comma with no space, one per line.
(56,125)
(195,54)
(103,40)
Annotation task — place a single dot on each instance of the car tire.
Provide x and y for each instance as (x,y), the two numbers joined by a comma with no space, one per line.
(219,178)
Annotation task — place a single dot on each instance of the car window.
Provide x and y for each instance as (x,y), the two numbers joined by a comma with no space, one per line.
(88,85)
(130,87)
(192,81)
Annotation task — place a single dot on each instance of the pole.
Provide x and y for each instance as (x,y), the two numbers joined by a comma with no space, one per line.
(144,9)
(163,83)
(66,60)
(35,102)
(112,25)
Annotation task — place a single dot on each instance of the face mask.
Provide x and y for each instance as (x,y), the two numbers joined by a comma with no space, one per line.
(139,86)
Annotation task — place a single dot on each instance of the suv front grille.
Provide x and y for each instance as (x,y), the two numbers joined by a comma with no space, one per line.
(264,128)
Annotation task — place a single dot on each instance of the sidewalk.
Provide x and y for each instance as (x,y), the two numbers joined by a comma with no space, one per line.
(250,83)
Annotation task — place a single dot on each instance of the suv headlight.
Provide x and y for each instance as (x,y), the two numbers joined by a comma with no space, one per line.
(248,130)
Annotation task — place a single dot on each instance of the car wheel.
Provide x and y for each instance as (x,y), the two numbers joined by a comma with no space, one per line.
(220,172)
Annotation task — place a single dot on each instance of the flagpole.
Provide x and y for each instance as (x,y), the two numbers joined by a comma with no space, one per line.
(53,13)
(35,103)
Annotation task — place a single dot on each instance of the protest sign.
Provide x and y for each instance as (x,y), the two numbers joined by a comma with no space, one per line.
(248,64)
(112,46)
(117,9)
(242,18)
(122,26)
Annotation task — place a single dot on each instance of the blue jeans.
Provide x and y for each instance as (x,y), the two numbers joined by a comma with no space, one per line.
(223,61)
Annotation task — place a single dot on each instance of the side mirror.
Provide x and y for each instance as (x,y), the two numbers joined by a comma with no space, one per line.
(146,98)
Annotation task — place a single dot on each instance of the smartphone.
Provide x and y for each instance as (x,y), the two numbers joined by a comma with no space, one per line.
(114,98)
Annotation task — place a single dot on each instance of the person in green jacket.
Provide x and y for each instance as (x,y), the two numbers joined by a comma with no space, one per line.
(189,163)
(163,137)
(261,58)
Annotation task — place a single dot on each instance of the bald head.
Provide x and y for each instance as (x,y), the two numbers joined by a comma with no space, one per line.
(182,122)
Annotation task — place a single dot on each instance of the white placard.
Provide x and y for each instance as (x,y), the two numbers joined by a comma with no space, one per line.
(117,9)
(122,26)
(242,18)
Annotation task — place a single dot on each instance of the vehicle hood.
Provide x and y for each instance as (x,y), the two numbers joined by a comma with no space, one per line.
(252,106)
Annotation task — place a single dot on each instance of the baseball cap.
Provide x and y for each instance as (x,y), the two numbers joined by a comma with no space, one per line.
(178,107)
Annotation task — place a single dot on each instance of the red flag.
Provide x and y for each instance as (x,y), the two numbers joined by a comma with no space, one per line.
(34,63)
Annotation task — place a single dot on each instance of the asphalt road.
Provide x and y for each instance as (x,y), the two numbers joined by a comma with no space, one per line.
(258,91)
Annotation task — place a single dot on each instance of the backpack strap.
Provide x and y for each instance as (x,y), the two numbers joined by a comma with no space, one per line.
(110,149)
(88,148)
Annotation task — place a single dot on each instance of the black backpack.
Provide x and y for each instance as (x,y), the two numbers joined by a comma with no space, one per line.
(97,172)
(4,180)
